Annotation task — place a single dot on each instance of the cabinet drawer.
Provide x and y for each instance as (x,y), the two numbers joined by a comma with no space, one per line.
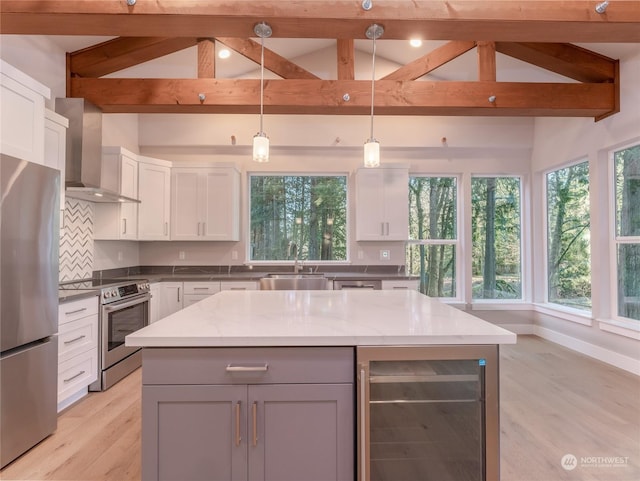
(76,337)
(70,311)
(77,373)
(238,285)
(199,288)
(248,365)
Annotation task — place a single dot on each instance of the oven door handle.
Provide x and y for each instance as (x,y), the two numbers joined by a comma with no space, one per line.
(128,303)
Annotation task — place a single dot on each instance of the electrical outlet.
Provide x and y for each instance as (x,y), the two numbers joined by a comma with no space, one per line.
(181,255)
(234,255)
(385,255)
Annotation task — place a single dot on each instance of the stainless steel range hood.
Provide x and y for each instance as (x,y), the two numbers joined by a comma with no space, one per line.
(83,165)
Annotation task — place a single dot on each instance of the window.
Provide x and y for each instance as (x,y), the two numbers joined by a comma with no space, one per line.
(431,252)
(568,241)
(627,232)
(495,231)
(298,215)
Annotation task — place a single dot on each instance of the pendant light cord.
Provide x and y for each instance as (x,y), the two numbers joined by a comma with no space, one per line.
(373,78)
(261,81)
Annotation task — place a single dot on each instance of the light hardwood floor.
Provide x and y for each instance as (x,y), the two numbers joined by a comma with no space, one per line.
(553,402)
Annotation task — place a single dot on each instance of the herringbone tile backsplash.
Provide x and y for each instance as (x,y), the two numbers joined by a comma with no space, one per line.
(76,242)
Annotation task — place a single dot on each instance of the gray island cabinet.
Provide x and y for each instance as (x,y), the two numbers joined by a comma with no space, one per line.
(307,385)
(248,414)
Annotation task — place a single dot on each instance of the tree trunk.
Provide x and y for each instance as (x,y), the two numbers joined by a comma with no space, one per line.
(489,271)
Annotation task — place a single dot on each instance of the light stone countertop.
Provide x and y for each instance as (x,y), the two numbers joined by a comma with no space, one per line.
(318,318)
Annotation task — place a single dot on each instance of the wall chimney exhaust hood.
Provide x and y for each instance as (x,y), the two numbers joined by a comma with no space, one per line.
(84,166)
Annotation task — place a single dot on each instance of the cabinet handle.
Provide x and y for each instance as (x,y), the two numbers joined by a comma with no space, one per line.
(201,289)
(237,288)
(198,228)
(400,288)
(387,227)
(124,226)
(166,228)
(73,377)
(178,292)
(254,415)
(75,312)
(232,368)
(74,340)
(238,437)
(363,426)
(381,228)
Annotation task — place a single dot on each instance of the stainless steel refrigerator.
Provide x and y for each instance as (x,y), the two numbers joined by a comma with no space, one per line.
(29,231)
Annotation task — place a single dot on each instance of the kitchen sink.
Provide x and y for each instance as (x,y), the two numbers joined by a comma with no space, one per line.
(293,282)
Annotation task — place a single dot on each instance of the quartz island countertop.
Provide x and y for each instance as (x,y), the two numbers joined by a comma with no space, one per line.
(318,318)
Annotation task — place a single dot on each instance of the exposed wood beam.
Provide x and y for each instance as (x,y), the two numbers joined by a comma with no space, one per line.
(486,61)
(124,52)
(392,97)
(431,61)
(565,59)
(506,21)
(272,61)
(346,58)
(206,58)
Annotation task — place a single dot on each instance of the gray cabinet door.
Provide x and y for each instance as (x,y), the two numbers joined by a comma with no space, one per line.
(303,432)
(194,433)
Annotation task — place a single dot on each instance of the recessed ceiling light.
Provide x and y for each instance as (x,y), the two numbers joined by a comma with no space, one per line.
(224,53)
(415,42)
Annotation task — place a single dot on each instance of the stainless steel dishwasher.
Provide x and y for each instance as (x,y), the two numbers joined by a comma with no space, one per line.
(373,284)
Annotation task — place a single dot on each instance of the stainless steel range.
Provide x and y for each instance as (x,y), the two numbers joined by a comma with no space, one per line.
(124,309)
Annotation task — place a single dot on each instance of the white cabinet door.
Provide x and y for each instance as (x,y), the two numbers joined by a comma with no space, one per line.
(154,193)
(171,298)
(154,302)
(55,146)
(221,209)
(119,174)
(21,114)
(382,204)
(185,219)
(205,204)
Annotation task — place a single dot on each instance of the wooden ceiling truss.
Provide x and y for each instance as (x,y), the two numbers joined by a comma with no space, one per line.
(537,32)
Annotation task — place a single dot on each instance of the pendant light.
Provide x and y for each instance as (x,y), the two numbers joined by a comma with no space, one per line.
(260,140)
(372,146)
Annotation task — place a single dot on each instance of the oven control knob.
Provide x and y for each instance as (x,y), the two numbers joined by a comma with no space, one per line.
(106,294)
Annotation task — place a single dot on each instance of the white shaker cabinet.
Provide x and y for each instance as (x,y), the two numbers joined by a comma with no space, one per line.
(119,174)
(205,204)
(154,193)
(382,204)
(196,291)
(77,349)
(171,298)
(21,114)
(155,289)
(55,146)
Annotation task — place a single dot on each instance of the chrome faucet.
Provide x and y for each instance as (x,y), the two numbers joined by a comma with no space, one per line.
(294,247)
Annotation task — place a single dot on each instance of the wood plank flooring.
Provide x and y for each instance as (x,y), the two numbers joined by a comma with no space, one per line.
(553,402)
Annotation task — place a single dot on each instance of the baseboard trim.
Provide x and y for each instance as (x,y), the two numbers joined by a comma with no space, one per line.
(601,354)
(522,329)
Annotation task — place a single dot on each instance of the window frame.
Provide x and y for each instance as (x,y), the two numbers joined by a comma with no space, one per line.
(457,242)
(616,240)
(523,270)
(577,314)
(286,262)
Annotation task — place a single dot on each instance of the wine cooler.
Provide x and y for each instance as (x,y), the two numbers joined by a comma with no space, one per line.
(428,413)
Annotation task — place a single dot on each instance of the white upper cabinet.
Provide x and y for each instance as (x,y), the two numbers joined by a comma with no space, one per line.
(119,174)
(382,204)
(154,193)
(21,114)
(55,145)
(205,203)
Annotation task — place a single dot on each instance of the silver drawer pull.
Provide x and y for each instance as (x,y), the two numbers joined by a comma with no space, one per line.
(74,340)
(75,312)
(262,368)
(73,377)
(200,288)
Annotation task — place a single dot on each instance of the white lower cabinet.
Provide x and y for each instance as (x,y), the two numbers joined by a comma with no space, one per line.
(238,285)
(171,298)
(154,302)
(77,349)
(197,291)
(403,284)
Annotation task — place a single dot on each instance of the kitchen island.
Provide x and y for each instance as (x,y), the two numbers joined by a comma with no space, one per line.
(263,384)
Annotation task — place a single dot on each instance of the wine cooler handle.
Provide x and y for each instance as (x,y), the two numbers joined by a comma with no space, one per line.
(238,435)
(363,426)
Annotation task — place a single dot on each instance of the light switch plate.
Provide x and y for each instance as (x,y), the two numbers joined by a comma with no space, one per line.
(385,255)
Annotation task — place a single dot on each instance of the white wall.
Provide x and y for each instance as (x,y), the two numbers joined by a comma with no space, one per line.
(556,142)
